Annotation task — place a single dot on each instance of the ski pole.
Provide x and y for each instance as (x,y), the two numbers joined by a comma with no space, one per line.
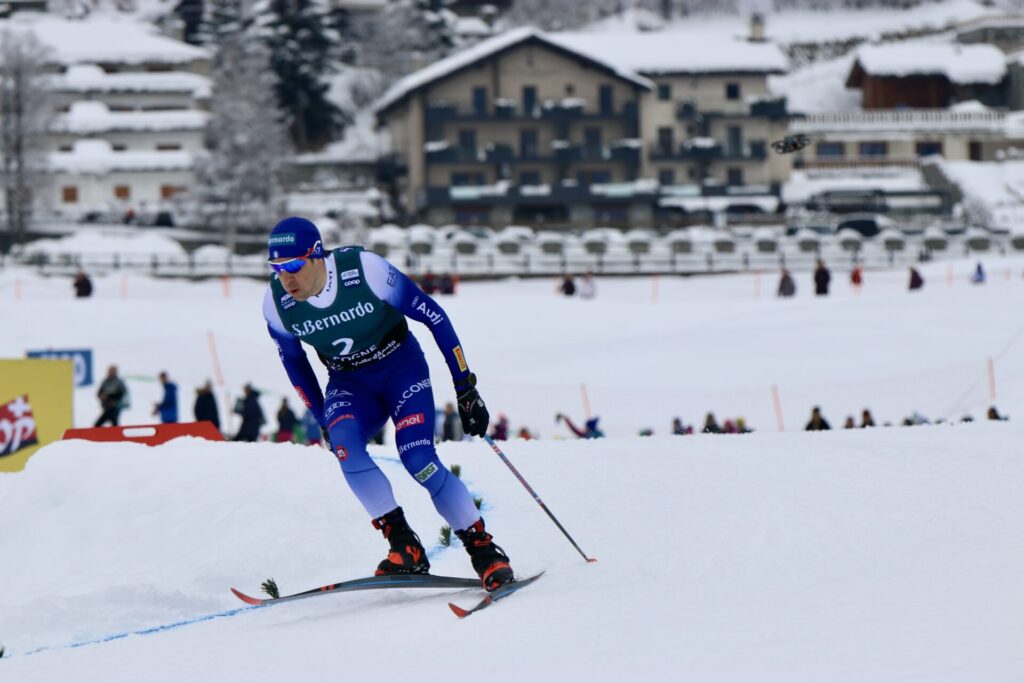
(533,493)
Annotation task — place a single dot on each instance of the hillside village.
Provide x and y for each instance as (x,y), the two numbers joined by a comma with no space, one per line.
(634,122)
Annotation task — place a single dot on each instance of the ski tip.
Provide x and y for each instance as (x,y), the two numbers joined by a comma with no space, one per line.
(591,559)
(459,612)
(246,598)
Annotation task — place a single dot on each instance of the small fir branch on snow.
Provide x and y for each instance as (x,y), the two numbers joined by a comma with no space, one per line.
(270,588)
(478,501)
(457,471)
(2,650)
(446,536)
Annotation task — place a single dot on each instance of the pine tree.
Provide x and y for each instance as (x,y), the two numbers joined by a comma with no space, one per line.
(302,44)
(247,141)
(25,110)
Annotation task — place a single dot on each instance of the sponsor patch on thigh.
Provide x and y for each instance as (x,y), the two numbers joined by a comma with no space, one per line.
(340,453)
(426,473)
(409,421)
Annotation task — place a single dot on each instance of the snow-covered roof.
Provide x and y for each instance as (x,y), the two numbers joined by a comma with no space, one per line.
(81,78)
(97,157)
(95,117)
(484,49)
(104,39)
(672,52)
(472,26)
(958,63)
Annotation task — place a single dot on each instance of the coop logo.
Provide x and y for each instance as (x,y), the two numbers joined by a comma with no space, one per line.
(308,327)
(340,453)
(409,421)
(17,426)
(422,385)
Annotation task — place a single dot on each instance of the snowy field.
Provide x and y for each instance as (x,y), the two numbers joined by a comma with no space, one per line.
(865,555)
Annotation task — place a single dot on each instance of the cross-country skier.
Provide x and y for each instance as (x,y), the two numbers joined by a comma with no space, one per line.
(351,306)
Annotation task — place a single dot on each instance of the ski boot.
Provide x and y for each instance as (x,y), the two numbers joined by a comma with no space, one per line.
(407,555)
(489,560)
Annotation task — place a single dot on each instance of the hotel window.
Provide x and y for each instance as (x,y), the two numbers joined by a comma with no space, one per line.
(69,194)
(928,148)
(667,176)
(732,91)
(479,100)
(830,150)
(873,149)
(664,91)
(666,140)
(529,178)
(122,191)
(168,146)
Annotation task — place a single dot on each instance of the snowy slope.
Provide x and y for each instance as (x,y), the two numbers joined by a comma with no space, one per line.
(887,554)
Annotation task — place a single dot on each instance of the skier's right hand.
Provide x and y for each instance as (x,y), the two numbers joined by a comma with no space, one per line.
(327,438)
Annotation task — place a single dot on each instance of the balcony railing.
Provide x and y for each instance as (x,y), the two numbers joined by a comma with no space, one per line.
(566,109)
(902,121)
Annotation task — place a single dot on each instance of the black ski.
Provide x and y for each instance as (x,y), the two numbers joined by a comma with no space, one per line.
(369,583)
(495,595)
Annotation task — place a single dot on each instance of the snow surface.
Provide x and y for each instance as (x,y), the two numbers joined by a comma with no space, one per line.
(959,63)
(998,185)
(89,41)
(883,554)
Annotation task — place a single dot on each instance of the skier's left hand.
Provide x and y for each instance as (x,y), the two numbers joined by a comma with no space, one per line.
(472,409)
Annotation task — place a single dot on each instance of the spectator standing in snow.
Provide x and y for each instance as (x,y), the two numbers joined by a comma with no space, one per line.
(82,285)
(451,425)
(822,277)
(286,421)
(167,408)
(866,420)
(312,427)
(248,406)
(916,281)
(205,408)
(787,285)
(817,423)
(568,286)
(113,396)
(979,275)
(857,276)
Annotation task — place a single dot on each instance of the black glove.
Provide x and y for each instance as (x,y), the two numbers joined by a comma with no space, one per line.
(327,438)
(471,407)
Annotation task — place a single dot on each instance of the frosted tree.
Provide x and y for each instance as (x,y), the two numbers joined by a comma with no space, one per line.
(561,15)
(247,142)
(25,112)
(223,19)
(406,36)
(302,46)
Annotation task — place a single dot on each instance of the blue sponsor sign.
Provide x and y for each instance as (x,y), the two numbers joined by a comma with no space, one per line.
(81,361)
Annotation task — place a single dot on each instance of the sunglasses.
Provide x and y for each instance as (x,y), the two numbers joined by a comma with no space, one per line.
(293,265)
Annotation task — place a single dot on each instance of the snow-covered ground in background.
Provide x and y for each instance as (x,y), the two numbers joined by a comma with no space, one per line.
(886,554)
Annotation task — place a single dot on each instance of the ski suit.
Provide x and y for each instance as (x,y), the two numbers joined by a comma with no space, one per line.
(376,371)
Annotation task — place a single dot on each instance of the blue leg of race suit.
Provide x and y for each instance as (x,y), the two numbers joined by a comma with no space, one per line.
(357,406)
(353,414)
(411,402)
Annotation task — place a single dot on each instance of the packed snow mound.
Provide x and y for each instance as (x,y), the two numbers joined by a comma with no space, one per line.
(880,553)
